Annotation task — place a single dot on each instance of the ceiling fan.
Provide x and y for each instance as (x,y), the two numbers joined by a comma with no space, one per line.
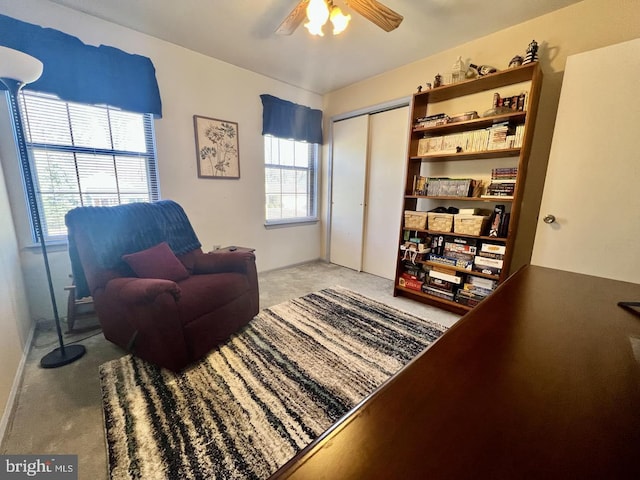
(372,10)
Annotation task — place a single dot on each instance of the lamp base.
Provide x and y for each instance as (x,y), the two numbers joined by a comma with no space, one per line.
(56,358)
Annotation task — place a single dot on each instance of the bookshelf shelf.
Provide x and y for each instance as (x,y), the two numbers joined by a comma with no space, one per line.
(430,155)
(493,199)
(448,157)
(474,124)
(435,232)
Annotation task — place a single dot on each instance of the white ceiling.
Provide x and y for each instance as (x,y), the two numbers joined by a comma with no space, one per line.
(241,32)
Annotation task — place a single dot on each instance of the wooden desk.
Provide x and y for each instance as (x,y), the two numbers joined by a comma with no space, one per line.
(541,380)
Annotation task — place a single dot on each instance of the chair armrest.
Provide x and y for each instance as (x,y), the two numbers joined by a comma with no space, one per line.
(133,290)
(221,262)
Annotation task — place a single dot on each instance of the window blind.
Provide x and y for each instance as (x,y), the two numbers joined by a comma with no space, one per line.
(85,155)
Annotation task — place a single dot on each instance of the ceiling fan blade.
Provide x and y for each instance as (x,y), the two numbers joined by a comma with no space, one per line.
(294,19)
(378,13)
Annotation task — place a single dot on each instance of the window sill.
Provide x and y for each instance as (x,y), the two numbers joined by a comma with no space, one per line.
(293,222)
(54,246)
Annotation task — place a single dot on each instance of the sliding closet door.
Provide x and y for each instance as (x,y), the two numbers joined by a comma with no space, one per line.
(349,159)
(385,183)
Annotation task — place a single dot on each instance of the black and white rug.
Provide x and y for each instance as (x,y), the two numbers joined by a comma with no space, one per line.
(253,403)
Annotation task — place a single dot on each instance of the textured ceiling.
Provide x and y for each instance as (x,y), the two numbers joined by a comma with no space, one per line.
(241,32)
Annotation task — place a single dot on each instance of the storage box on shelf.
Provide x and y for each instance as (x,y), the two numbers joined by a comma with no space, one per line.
(497,142)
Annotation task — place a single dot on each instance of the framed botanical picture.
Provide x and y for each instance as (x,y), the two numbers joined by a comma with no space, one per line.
(217,148)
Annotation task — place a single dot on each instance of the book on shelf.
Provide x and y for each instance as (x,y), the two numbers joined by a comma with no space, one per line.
(481,283)
(504,188)
(490,266)
(503,229)
(450,277)
(451,262)
(504,173)
(410,283)
(436,292)
(460,248)
(451,187)
(430,121)
(419,185)
(492,250)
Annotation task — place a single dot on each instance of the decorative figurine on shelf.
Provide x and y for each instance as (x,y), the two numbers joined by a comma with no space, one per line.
(458,70)
(437,81)
(419,88)
(483,70)
(427,85)
(532,53)
(470,73)
(516,61)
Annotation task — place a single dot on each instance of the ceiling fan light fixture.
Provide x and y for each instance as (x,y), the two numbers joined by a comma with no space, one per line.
(339,20)
(317,14)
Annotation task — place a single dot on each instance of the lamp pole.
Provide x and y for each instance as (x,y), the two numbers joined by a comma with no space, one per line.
(62,355)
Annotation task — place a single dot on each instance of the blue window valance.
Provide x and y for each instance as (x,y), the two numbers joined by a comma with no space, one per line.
(82,73)
(284,119)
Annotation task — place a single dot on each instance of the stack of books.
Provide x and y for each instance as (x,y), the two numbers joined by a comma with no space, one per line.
(503,183)
(489,259)
(501,136)
(474,290)
(442,283)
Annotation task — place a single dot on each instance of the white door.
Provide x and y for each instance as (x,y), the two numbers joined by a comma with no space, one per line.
(349,160)
(385,187)
(592,186)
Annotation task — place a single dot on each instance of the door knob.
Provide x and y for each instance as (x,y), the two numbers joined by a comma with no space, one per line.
(549,219)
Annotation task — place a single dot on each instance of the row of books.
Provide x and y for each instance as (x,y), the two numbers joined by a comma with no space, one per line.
(503,135)
(462,187)
(514,102)
(499,136)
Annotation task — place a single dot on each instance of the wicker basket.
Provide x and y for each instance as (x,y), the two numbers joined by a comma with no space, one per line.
(415,220)
(440,222)
(469,224)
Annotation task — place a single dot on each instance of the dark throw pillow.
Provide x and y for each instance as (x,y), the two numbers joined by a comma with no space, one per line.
(157,262)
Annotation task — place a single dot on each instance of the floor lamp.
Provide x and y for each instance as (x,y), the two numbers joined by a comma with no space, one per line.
(17,69)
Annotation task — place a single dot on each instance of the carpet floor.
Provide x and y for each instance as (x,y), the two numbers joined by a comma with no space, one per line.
(252,404)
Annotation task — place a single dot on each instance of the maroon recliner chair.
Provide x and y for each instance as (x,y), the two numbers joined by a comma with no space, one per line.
(155,292)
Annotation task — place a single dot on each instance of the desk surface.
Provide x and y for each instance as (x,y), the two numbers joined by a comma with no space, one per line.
(541,380)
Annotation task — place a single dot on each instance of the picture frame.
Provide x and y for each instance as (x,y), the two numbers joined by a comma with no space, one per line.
(217,148)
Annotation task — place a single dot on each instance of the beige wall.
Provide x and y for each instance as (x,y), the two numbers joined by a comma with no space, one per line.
(577,28)
(223,212)
(15,320)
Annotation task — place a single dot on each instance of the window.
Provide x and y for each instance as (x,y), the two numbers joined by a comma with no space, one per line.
(85,155)
(290,180)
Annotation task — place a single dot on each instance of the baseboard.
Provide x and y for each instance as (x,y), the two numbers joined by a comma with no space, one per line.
(291,265)
(17,382)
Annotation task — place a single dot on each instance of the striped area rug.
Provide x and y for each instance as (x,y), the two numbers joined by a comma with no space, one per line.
(253,403)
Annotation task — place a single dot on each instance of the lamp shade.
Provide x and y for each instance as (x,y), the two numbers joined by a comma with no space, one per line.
(19,66)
